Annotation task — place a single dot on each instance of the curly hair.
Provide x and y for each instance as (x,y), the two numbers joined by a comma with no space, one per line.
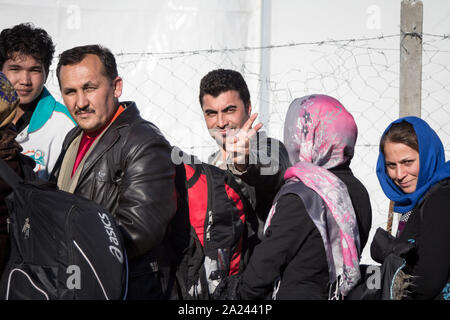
(221,80)
(25,39)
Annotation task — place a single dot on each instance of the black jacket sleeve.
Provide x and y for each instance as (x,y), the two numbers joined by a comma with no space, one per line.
(265,174)
(147,200)
(289,232)
(267,163)
(432,270)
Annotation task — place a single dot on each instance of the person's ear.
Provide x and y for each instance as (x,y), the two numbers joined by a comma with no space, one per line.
(118,86)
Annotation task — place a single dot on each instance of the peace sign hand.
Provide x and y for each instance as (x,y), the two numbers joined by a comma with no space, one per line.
(238,147)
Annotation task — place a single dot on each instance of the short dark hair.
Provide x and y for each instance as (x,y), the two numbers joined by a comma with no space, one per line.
(221,80)
(25,39)
(401,132)
(77,54)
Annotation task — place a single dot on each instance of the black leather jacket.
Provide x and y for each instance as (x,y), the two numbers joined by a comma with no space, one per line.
(131,174)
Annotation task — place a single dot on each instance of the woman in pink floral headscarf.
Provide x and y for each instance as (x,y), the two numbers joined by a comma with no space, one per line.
(321,217)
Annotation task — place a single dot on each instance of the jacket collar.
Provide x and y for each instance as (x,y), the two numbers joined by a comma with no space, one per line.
(130,114)
(109,137)
(43,111)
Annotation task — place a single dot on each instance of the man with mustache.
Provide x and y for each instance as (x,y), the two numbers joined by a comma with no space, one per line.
(257,162)
(119,160)
(26,54)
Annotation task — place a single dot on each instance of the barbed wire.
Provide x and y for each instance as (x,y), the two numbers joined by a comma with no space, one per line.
(342,42)
(361,72)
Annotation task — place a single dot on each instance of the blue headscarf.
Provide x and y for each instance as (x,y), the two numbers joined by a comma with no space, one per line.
(433,167)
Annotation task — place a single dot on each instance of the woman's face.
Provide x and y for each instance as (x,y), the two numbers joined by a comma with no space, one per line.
(402,165)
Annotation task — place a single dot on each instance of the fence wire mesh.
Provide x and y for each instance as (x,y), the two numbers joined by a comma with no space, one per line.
(362,73)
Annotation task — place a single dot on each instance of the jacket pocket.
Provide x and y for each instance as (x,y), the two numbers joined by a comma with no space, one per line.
(106,189)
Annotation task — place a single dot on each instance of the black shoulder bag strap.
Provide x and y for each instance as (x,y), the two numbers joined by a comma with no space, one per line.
(8,175)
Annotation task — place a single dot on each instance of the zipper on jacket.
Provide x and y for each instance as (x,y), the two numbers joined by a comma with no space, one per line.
(210,205)
(208,227)
(26,228)
(26,244)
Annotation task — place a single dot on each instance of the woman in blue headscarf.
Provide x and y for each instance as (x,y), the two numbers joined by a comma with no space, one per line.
(413,174)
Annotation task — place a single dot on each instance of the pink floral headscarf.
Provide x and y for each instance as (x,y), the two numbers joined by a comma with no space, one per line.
(320,134)
(318,129)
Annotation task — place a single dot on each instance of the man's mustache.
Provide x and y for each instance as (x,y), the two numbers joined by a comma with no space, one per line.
(86,109)
(230,132)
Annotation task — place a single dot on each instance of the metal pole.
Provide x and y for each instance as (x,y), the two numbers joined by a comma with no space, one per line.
(411,21)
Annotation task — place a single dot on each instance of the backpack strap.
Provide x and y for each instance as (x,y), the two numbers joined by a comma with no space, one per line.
(27,165)
(8,175)
(390,217)
(193,180)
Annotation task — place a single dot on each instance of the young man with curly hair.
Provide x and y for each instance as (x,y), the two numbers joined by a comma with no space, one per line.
(26,54)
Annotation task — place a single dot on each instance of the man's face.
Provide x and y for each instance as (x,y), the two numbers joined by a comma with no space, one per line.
(26,75)
(90,96)
(224,115)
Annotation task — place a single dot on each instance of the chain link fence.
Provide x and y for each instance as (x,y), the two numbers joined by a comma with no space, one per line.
(362,73)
